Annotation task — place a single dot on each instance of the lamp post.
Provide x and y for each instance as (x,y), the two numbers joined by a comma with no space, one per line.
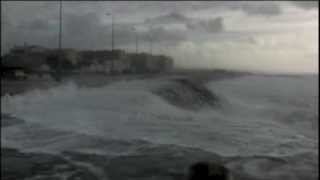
(136,38)
(112,33)
(60,26)
(4,31)
(150,38)
(112,41)
(58,73)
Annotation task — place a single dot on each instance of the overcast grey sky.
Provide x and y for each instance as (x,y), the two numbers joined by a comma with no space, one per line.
(266,36)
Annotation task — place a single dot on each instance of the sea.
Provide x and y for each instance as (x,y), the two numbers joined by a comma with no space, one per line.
(258,126)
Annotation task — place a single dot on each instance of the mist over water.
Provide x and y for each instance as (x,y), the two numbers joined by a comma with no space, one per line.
(257,116)
(145,90)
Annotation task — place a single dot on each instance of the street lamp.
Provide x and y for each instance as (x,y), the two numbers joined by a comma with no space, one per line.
(112,40)
(60,25)
(150,38)
(136,38)
(112,33)
(58,73)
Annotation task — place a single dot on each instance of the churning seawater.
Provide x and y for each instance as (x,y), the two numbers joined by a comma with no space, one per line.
(257,117)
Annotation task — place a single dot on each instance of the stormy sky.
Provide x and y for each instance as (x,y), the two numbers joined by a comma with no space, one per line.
(267,36)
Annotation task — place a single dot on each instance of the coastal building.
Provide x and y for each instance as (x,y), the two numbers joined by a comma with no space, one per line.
(13,72)
(141,63)
(39,60)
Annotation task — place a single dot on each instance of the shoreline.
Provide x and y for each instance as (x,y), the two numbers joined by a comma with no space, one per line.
(14,87)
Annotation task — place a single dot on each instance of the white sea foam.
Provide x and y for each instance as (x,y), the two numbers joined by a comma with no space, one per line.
(257,117)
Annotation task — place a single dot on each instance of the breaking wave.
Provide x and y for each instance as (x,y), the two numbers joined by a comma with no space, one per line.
(140,128)
(187,94)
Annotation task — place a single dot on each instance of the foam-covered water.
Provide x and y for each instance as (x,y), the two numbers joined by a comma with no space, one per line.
(266,116)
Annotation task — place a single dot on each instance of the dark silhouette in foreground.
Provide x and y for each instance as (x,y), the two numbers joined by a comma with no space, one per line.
(208,171)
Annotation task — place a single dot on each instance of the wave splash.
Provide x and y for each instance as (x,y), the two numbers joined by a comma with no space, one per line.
(188,94)
(250,134)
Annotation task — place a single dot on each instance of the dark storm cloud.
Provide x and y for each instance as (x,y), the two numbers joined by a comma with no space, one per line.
(36,25)
(306,4)
(268,9)
(81,24)
(163,34)
(87,31)
(173,17)
(81,31)
(214,25)
(207,31)
(125,34)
